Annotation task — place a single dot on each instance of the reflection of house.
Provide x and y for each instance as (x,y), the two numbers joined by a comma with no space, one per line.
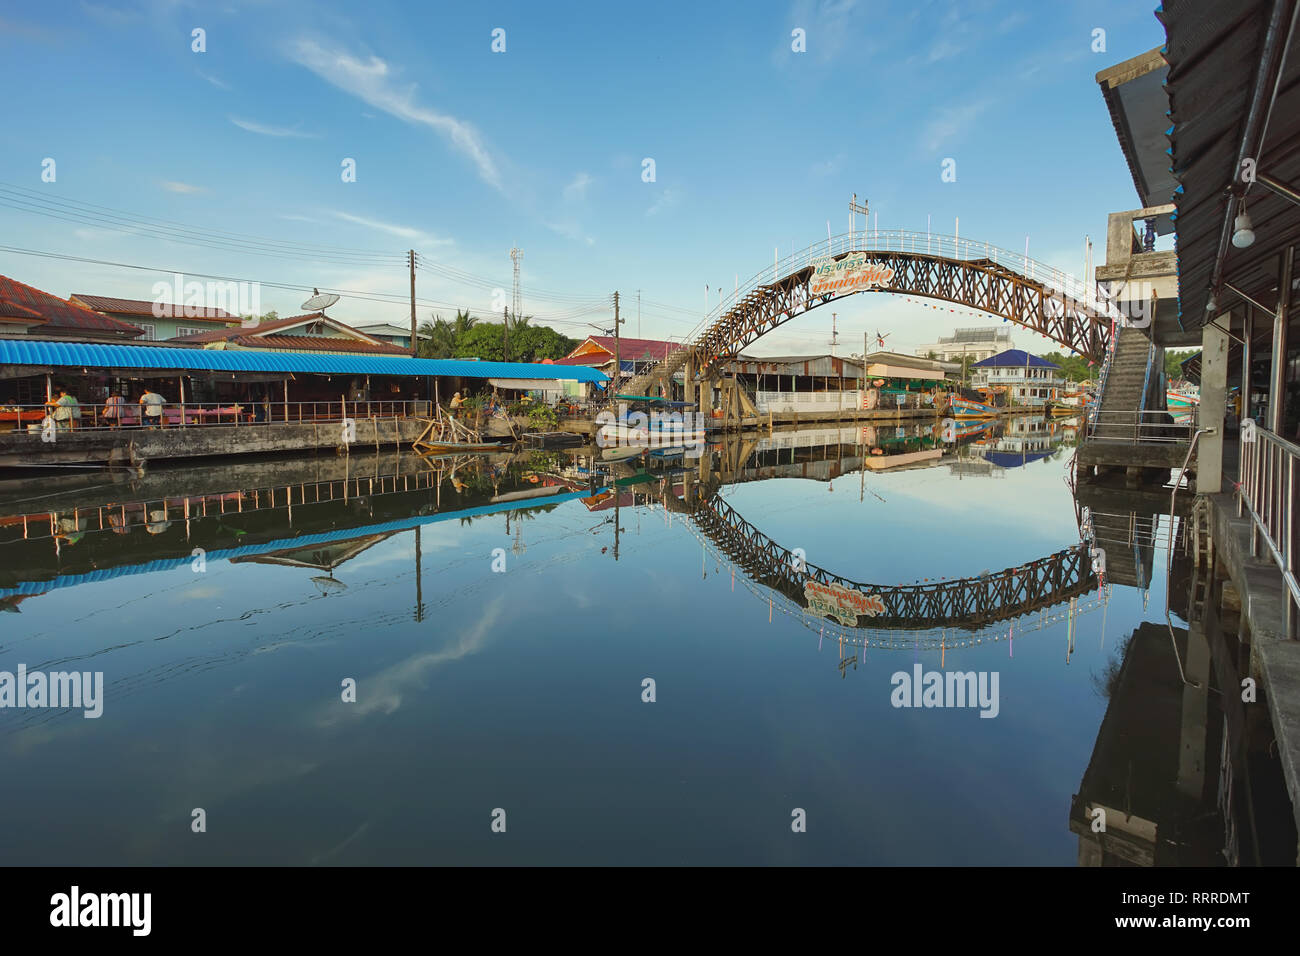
(325,556)
(159,321)
(314,332)
(27,311)
(968,345)
(1027,379)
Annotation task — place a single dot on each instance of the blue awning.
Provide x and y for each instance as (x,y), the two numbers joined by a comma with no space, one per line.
(87,356)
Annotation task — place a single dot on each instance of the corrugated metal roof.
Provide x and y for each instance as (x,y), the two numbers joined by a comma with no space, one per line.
(73,355)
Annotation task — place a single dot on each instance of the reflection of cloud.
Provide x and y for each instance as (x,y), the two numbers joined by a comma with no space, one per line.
(333,851)
(382,692)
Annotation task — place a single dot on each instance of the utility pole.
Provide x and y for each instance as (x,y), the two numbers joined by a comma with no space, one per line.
(618,362)
(505,335)
(410,255)
(638,313)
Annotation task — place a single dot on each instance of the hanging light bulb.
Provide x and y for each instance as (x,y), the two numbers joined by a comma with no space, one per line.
(1242,233)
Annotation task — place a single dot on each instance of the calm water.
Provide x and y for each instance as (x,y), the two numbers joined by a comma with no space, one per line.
(522,689)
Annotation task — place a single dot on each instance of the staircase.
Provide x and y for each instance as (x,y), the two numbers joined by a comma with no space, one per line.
(664,369)
(1122,395)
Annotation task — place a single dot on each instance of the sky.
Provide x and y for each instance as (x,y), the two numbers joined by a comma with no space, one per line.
(241,135)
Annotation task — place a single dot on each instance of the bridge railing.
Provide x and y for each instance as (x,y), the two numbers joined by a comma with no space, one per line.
(1267,492)
(1140,426)
(920,243)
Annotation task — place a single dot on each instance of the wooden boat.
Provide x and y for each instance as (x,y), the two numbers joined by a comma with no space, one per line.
(965,408)
(455,448)
(1182,399)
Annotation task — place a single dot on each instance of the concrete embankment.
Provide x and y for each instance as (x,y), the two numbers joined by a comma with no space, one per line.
(141,445)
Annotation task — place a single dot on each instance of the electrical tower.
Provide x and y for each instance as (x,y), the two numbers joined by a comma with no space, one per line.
(515,305)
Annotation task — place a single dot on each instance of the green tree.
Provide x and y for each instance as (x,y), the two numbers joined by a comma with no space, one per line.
(483,340)
(1174,362)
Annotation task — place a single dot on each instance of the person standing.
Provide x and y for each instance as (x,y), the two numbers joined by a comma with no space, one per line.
(152,404)
(113,410)
(65,409)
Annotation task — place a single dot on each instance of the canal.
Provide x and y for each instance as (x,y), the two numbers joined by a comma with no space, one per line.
(527,659)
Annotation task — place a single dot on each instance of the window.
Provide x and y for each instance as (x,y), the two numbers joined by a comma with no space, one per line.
(183,330)
(150,333)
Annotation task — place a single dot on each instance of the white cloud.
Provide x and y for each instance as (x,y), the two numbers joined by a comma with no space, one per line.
(219,84)
(402,232)
(264,130)
(570,230)
(667,199)
(951,122)
(369,80)
(577,190)
(183,188)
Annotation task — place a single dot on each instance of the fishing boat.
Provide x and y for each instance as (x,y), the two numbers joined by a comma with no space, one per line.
(966,408)
(1182,398)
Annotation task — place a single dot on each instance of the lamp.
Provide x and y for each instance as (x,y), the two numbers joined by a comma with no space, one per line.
(1242,233)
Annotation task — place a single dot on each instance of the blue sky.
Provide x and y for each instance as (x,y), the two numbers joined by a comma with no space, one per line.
(463,153)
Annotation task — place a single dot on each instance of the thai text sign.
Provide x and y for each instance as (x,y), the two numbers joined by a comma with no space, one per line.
(843,604)
(853,273)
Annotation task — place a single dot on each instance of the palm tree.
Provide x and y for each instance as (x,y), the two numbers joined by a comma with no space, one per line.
(436,339)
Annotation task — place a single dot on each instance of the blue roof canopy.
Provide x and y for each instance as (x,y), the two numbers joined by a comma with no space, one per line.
(82,355)
(1014,358)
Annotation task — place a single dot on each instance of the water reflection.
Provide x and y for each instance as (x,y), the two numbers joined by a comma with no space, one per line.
(499,614)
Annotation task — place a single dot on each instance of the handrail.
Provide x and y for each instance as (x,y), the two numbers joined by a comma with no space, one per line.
(1146,384)
(90,416)
(1267,490)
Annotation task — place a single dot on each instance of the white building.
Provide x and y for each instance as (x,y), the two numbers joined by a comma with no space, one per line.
(968,344)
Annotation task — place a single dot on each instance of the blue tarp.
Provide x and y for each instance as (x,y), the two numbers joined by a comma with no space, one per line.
(94,356)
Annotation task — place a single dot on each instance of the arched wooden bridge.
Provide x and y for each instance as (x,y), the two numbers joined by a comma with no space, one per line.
(967,603)
(965,273)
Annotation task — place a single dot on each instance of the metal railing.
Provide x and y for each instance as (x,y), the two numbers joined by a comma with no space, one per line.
(1146,377)
(1095,405)
(99,417)
(1267,491)
(1068,287)
(1152,425)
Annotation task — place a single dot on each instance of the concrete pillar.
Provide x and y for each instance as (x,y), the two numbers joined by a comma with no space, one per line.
(1214,398)
(1277,380)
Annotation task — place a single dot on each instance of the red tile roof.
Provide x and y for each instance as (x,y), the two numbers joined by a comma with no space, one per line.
(103,303)
(22,301)
(629,350)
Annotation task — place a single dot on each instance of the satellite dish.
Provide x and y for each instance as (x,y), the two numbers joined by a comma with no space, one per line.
(319,301)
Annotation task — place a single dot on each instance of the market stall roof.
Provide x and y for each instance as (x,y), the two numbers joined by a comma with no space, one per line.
(87,356)
(1223,58)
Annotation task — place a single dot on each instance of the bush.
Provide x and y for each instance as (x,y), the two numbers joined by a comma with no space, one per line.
(542,416)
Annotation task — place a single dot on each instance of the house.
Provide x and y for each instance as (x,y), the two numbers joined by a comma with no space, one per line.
(313,332)
(384,332)
(597,351)
(159,320)
(1027,379)
(26,311)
